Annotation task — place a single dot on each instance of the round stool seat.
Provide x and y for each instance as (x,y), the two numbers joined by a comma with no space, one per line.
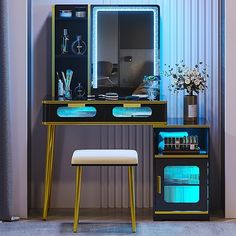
(105,157)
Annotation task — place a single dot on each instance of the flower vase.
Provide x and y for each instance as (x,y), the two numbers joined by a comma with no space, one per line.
(190,109)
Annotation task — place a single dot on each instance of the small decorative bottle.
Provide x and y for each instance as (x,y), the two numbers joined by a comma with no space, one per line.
(184,143)
(192,145)
(177,143)
(79,47)
(166,146)
(79,91)
(65,42)
(60,90)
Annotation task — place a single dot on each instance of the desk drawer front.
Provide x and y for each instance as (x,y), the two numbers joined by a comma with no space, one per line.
(117,113)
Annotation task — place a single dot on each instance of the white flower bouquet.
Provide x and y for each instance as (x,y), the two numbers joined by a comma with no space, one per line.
(185,78)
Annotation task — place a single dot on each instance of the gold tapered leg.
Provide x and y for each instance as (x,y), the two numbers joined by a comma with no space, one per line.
(77,197)
(49,168)
(51,165)
(132,197)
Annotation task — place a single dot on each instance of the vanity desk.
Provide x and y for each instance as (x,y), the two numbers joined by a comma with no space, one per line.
(180,180)
(114,51)
(95,113)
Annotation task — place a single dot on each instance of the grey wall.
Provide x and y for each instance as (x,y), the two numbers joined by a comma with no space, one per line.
(17,28)
(190,31)
(230,112)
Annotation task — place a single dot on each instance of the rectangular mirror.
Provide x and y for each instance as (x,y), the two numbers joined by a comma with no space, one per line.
(125,47)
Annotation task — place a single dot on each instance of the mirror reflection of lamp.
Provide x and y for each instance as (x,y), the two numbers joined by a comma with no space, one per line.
(128,59)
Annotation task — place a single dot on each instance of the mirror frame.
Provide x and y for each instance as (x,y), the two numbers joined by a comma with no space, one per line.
(109,8)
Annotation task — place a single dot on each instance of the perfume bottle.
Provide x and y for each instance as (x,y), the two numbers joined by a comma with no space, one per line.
(79,91)
(192,145)
(177,143)
(79,47)
(80,12)
(65,42)
(60,90)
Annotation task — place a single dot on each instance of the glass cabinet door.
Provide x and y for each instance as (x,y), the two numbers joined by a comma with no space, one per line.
(181,185)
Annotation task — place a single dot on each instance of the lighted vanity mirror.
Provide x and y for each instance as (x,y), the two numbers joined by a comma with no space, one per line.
(125,47)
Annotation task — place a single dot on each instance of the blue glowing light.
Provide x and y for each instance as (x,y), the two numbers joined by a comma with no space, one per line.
(126,9)
(181,194)
(181,184)
(170,135)
(76,111)
(173,134)
(132,111)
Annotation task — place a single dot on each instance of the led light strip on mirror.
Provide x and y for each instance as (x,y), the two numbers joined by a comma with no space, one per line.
(97,9)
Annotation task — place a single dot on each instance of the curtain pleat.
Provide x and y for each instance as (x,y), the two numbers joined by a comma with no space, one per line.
(5,145)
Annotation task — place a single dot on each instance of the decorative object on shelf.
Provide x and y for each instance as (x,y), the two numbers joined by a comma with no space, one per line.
(152,85)
(80,12)
(65,13)
(60,88)
(65,42)
(109,96)
(79,91)
(91,97)
(183,145)
(192,80)
(79,47)
(67,81)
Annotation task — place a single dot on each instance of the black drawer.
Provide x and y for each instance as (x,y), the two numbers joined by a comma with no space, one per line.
(105,112)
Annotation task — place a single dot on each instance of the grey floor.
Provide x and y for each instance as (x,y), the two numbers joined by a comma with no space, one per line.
(116,222)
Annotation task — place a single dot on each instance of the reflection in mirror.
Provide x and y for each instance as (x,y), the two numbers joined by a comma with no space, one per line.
(125,47)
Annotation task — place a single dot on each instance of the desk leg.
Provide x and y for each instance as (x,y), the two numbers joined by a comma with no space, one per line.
(48,170)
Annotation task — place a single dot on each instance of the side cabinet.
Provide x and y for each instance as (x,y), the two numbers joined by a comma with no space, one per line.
(181,179)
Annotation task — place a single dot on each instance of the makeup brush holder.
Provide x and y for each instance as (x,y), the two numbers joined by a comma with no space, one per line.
(68,94)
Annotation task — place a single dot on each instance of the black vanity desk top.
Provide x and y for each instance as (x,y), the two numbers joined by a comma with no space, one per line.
(52,101)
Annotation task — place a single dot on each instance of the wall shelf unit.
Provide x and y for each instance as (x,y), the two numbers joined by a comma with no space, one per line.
(70,47)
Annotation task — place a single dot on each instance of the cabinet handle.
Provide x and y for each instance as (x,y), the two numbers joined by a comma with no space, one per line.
(159,184)
(132,105)
(76,105)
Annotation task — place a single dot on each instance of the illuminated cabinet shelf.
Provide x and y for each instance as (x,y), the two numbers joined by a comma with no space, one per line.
(181,179)
(70,47)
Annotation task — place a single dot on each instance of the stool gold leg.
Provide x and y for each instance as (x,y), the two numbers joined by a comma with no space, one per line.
(132,197)
(48,170)
(77,197)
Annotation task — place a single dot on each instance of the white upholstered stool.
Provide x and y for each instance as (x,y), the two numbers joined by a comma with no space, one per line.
(104,157)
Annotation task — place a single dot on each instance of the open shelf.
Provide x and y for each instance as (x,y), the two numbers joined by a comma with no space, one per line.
(181,156)
(82,19)
(71,56)
(70,28)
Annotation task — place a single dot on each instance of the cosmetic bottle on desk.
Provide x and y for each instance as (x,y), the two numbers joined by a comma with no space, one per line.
(60,90)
